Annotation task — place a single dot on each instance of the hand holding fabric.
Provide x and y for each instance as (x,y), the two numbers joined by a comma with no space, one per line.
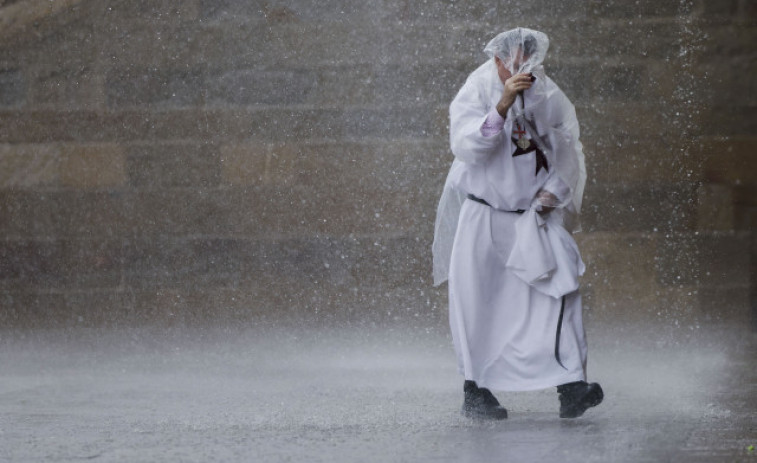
(514,85)
(546,202)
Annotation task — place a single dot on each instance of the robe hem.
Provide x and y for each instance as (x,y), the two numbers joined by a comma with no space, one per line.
(522,386)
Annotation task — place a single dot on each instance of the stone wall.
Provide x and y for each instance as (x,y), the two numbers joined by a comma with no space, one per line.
(229,161)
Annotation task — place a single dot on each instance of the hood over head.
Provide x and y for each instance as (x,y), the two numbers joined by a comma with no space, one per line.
(521,50)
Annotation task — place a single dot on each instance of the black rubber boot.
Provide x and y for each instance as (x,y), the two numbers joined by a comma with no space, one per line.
(480,403)
(577,397)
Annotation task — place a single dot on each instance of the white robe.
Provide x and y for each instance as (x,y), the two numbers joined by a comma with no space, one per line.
(507,290)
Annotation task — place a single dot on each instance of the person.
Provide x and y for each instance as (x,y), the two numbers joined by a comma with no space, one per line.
(503,232)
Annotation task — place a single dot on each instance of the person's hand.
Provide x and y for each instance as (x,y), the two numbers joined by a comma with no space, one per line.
(513,86)
(547,201)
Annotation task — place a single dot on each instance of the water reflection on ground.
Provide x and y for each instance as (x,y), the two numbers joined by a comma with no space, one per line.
(356,393)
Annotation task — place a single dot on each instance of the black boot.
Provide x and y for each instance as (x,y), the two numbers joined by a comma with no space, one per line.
(577,397)
(480,403)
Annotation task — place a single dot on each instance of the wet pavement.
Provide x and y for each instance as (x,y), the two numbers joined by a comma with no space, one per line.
(388,394)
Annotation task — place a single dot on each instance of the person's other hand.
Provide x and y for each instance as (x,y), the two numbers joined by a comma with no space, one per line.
(547,201)
(513,86)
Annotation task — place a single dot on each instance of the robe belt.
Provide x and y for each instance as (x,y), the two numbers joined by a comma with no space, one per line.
(557,336)
(482,201)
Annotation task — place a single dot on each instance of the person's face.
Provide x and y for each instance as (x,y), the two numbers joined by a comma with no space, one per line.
(503,67)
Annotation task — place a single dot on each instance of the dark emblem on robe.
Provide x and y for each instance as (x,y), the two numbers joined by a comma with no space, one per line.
(541,159)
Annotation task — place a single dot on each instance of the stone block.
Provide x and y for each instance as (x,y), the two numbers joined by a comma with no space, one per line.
(55,126)
(30,264)
(362,43)
(195,125)
(91,264)
(729,40)
(707,260)
(674,88)
(710,8)
(639,207)
(745,215)
(152,166)
(677,307)
(64,42)
(311,260)
(13,87)
(176,261)
(729,160)
(620,83)
(716,209)
(158,44)
(582,82)
(31,127)
(576,80)
(245,164)
(54,215)
(270,87)
(619,159)
(747,11)
(27,310)
(31,214)
(93,214)
(619,42)
(62,310)
(725,306)
(678,259)
(390,122)
(29,165)
(495,14)
(403,84)
(210,9)
(60,264)
(727,81)
(725,260)
(619,275)
(170,11)
(442,11)
(93,166)
(68,87)
(643,8)
(189,211)
(343,85)
(240,306)
(394,262)
(279,302)
(288,45)
(745,195)
(350,123)
(289,11)
(349,262)
(160,87)
(41,126)
(603,120)
(166,307)
(386,164)
(109,309)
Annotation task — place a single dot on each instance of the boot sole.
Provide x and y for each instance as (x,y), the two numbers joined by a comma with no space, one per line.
(498,415)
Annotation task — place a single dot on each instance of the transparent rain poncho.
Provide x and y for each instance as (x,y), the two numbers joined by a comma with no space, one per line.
(555,130)
(514,45)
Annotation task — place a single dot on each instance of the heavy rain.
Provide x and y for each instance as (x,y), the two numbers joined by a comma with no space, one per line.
(216,226)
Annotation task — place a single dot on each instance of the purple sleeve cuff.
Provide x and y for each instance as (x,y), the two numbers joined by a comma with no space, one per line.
(493,124)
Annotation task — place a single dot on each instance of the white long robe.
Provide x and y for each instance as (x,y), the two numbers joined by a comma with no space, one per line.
(504,327)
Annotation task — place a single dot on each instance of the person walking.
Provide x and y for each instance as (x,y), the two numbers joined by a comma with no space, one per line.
(502,236)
